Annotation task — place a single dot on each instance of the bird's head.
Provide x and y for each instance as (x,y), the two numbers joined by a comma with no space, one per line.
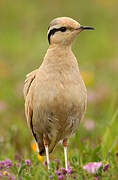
(63,30)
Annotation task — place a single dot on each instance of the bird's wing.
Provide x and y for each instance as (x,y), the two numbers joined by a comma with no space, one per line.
(28,81)
(28,95)
(28,98)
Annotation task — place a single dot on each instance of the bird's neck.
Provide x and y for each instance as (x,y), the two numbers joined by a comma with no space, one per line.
(59,55)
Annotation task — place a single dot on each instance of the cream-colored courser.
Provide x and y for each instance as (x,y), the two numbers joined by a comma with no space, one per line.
(55,94)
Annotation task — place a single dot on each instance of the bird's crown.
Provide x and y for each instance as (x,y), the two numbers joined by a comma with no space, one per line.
(64,22)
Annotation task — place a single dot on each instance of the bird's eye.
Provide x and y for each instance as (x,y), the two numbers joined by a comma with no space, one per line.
(63,29)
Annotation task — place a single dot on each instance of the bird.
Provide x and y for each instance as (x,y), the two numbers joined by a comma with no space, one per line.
(55,94)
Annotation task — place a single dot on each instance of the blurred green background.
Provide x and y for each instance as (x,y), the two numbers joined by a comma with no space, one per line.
(23,44)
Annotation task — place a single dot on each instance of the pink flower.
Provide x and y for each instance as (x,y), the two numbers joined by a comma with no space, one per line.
(92,167)
(18,164)
(58,172)
(28,162)
(64,171)
(89,124)
(105,167)
(57,160)
(69,170)
(50,176)
(60,177)
(5,163)
(44,163)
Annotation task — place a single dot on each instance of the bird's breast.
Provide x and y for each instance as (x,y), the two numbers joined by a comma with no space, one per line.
(60,99)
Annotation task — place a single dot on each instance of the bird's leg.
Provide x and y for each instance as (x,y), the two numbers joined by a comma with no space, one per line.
(46,149)
(65,152)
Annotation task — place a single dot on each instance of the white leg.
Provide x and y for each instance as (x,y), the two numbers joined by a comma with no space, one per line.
(45,140)
(47,156)
(65,153)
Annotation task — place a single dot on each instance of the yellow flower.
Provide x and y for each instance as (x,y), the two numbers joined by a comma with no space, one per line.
(4,172)
(40,157)
(88,77)
(33,146)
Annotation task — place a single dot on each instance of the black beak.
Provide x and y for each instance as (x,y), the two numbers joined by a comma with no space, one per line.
(86,27)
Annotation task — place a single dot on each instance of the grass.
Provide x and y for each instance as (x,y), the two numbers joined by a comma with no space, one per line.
(23,43)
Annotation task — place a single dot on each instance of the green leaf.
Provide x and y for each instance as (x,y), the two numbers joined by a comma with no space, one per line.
(109,140)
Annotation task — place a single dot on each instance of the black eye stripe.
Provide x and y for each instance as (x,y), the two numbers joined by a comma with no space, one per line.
(52,31)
